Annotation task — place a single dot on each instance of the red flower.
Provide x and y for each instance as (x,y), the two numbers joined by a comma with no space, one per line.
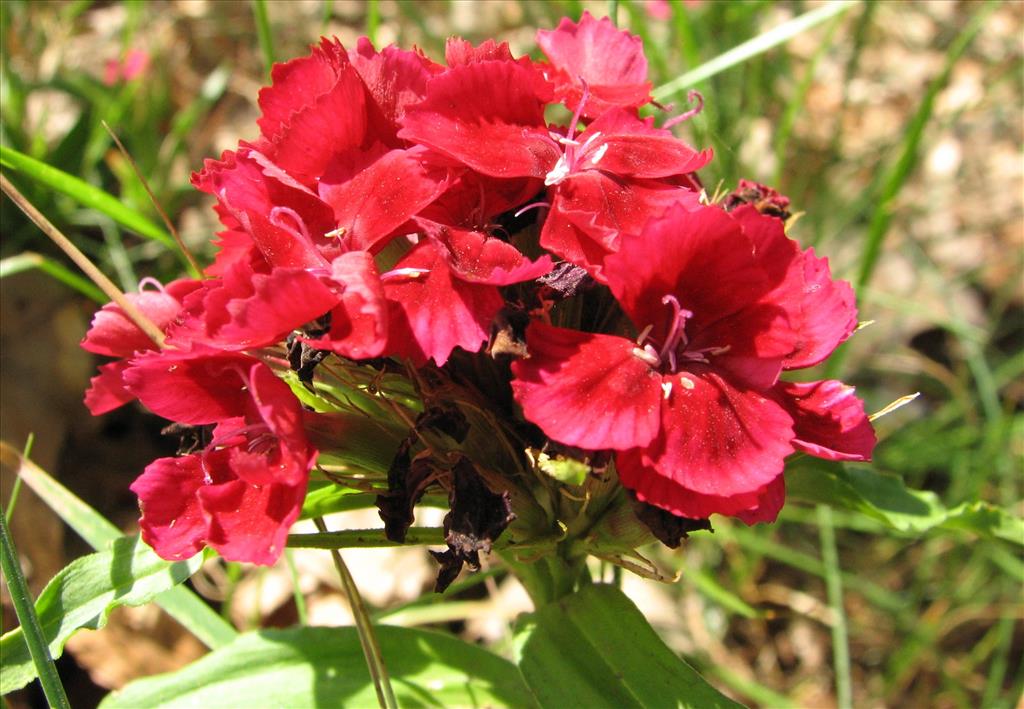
(113,334)
(722,304)
(594,57)
(489,116)
(242,493)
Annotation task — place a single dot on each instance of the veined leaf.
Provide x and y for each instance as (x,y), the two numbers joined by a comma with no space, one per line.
(595,649)
(324,667)
(82,595)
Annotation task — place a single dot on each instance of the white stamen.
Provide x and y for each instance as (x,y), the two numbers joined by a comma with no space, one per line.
(404,273)
(598,154)
(666,388)
(558,173)
(648,355)
(643,334)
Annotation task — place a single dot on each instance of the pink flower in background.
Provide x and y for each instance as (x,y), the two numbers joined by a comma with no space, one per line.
(131,66)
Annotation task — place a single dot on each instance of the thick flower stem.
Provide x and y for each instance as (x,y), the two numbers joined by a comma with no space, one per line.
(549,577)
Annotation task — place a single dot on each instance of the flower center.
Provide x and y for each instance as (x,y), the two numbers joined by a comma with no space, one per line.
(252,438)
(674,351)
(574,154)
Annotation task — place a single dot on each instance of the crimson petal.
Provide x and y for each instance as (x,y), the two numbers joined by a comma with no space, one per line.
(587,390)
(433,313)
(489,116)
(717,439)
(829,419)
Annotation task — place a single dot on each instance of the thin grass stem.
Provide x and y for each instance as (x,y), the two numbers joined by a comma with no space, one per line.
(300,601)
(834,586)
(193,264)
(26,612)
(372,19)
(16,488)
(263,33)
(364,628)
(82,261)
(751,48)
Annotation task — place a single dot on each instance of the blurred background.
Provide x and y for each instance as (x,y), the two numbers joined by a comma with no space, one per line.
(896,128)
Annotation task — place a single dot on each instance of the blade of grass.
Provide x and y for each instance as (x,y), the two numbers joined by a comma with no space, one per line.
(24,608)
(196,272)
(300,600)
(82,261)
(16,488)
(83,193)
(364,627)
(264,33)
(797,101)
(372,20)
(834,586)
(897,174)
(900,170)
(326,15)
(28,260)
(180,603)
(751,48)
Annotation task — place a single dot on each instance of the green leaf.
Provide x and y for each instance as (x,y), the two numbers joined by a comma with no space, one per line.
(594,648)
(84,193)
(82,596)
(180,602)
(886,499)
(324,667)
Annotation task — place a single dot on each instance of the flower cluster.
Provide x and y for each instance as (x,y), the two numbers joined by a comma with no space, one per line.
(395,212)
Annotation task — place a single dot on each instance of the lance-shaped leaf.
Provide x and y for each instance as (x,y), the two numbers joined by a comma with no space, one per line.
(886,499)
(82,596)
(595,649)
(324,667)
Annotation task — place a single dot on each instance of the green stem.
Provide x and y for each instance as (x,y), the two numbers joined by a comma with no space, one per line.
(834,585)
(26,612)
(548,578)
(365,539)
(364,628)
